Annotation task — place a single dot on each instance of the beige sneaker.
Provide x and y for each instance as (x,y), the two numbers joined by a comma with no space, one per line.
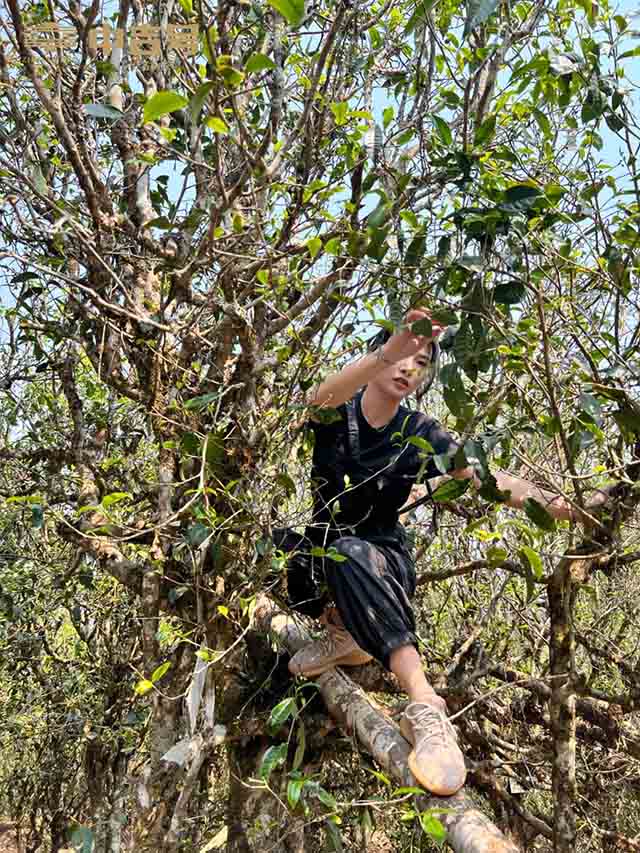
(436,760)
(337,648)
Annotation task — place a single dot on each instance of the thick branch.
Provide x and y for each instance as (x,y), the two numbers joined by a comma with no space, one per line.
(469,831)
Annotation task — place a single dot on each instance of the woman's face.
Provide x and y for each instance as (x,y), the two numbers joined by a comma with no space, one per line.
(401,379)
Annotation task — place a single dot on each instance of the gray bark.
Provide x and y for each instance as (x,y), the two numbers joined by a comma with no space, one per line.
(468,829)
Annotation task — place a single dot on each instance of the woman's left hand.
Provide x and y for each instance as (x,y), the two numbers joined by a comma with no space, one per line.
(406,343)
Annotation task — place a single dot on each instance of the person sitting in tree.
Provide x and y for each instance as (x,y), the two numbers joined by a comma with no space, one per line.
(363,472)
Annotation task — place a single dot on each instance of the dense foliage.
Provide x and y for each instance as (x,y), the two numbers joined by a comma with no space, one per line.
(192,233)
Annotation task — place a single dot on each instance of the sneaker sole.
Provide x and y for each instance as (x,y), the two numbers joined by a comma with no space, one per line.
(407,734)
(353,659)
(433,789)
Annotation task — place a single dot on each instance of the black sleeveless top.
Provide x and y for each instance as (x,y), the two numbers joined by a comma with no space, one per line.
(362,476)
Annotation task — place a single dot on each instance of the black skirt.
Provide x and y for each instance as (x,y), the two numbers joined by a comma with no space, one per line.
(371,587)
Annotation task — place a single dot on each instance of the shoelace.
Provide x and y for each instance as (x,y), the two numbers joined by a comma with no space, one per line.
(432,725)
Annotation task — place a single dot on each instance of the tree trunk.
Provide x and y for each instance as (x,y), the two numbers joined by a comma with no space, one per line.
(562,707)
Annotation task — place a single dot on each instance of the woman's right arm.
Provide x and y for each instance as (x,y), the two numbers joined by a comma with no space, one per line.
(340,387)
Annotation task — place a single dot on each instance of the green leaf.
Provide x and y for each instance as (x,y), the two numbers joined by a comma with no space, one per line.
(379,216)
(542,122)
(157,673)
(143,686)
(379,776)
(197,533)
(314,245)
(334,555)
(187,7)
(318,551)
(421,12)
(415,250)
(258,62)
(302,744)
(201,402)
(23,276)
(443,130)
(442,462)
(614,122)
(325,416)
(377,246)
(489,491)
(486,131)
(520,197)
(287,483)
(217,125)
(334,838)
(410,218)
(291,10)
(477,13)
(161,104)
(340,111)
(451,490)
(281,712)
(325,797)
(496,555)
(433,827)
(211,35)
(509,293)
(86,508)
(444,246)
(539,515)
(387,117)
(444,316)
(628,53)
(274,757)
(102,111)
(159,222)
(294,789)
(114,498)
(333,246)
(422,327)
(534,560)
(420,442)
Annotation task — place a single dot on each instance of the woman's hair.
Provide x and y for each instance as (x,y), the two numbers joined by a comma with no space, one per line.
(383,336)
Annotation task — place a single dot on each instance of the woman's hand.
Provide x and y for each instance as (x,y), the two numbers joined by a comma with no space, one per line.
(406,343)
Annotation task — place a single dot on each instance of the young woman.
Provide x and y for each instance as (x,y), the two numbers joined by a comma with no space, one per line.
(362,474)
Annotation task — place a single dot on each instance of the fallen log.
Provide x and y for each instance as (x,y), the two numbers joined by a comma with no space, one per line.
(468,829)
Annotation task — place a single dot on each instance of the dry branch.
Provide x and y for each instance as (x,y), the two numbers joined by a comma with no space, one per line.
(468,829)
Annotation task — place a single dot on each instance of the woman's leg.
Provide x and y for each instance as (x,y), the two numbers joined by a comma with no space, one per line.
(406,665)
(372,590)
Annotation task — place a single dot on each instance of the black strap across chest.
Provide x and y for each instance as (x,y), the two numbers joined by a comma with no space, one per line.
(353,431)
(353,437)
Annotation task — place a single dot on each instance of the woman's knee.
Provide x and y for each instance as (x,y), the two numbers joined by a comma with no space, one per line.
(348,546)
(361,555)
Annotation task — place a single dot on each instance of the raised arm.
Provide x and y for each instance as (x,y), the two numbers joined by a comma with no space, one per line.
(340,387)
